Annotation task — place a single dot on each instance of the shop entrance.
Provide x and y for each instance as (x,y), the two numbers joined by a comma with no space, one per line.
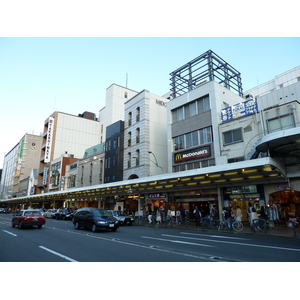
(287,202)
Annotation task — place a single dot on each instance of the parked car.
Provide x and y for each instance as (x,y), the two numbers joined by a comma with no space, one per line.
(94,219)
(28,218)
(3,210)
(63,214)
(50,213)
(122,217)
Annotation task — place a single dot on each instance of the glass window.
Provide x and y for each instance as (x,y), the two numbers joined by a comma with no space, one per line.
(281,123)
(232,136)
(195,138)
(188,140)
(205,135)
(179,142)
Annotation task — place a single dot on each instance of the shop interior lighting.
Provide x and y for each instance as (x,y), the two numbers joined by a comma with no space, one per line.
(230,173)
(249,171)
(214,175)
(256,176)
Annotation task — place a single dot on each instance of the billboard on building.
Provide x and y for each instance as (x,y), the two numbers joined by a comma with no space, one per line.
(49,140)
(239,110)
(192,154)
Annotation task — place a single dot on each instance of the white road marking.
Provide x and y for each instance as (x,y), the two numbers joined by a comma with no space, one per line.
(174,241)
(9,232)
(58,254)
(235,243)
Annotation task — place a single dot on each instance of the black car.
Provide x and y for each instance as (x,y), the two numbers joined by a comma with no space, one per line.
(94,219)
(63,214)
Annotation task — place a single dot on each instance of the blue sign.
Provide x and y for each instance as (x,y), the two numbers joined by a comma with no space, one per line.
(239,110)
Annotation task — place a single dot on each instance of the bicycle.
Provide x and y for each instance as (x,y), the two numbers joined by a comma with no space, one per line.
(236,225)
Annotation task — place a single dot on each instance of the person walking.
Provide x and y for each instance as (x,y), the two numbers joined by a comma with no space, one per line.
(197,215)
(238,214)
(178,219)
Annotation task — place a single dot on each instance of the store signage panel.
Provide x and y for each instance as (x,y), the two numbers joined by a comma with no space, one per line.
(192,154)
(239,110)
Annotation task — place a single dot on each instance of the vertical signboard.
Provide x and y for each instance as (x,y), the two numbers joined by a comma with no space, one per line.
(49,140)
(20,158)
(45,176)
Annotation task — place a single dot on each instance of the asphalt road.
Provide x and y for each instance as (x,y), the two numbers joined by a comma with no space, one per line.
(59,241)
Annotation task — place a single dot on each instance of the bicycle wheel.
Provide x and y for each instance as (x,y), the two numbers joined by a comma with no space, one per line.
(221,225)
(238,226)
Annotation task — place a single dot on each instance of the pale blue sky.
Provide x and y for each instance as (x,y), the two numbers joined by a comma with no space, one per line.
(41,75)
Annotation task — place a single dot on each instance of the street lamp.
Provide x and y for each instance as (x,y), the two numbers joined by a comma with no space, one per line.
(156,163)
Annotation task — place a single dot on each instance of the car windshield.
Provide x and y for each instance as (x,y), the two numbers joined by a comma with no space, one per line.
(32,212)
(102,213)
(120,213)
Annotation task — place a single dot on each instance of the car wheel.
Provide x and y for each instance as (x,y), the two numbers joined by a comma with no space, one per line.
(12,224)
(76,225)
(94,228)
(39,226)
(114,229)
(20,225)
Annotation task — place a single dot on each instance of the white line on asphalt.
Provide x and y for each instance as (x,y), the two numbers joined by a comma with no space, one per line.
(217,236)
(235,243)
(9,232)
(58,254)
(173,241)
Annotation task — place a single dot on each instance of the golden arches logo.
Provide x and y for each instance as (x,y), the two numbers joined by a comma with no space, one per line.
(178,157)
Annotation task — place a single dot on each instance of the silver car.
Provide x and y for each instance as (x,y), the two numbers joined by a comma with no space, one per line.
(122,217)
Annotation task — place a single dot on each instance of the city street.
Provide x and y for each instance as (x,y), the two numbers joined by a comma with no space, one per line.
(58,241)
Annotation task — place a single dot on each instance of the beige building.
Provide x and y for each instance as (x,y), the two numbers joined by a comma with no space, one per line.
(65,135)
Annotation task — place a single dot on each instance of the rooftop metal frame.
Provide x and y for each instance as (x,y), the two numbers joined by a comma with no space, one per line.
(206,67)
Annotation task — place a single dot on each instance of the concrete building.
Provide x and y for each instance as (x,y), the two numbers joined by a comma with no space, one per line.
(18,163)
(65,135)
(145,137)
(113,111)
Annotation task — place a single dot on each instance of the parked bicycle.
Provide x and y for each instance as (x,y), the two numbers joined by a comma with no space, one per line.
(236,225)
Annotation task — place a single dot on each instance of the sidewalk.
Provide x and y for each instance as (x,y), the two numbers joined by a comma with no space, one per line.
(281,230)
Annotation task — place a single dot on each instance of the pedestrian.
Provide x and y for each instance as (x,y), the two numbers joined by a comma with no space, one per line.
(238,214)
(158,216)
(225,216)
(197,215)
(214,212)
(178,221)
(182,213)
(249,212)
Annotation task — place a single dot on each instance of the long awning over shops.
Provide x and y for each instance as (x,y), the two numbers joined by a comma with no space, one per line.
(257,171)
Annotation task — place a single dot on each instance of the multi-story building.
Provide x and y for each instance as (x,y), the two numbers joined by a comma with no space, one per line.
(212,126)
(113,111)
(114,152)
(145,137)
(65,135)
(18,164)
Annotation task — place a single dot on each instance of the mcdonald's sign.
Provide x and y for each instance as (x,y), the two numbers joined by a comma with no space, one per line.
(192,154)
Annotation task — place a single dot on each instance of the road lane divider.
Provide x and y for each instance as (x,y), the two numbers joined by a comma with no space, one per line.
(9,232)
(58,254)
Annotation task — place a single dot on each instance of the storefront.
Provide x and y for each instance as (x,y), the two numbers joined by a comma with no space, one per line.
(242,196)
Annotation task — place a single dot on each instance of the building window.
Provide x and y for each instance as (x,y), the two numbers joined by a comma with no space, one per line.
(138,114)
(129,138)
(205,135)
(232,136)
(203,104)
(137,158)
(281,123)
(125,95)
(114,161)
(129,160)
(179,142)
(191,109)
(137,135)
(115,144)
(129,119)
